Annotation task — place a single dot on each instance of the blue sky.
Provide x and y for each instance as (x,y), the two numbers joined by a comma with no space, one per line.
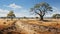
(21,7)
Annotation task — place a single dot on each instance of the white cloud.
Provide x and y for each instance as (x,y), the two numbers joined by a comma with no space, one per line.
(55,11)
(22,13)
(14,6)
(3,12)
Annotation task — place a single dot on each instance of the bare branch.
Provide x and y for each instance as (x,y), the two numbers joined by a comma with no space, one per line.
(37,13)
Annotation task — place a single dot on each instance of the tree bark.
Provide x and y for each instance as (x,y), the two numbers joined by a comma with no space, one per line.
(41,18)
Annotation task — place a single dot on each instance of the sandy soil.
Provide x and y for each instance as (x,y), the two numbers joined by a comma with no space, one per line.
(31,26)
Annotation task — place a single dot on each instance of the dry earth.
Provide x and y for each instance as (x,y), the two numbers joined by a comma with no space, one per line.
(29,26)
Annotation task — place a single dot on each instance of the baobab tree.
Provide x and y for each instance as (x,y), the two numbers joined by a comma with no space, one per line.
(41,9)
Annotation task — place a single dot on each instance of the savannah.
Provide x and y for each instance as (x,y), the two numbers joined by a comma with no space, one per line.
(29,26)
(38,24)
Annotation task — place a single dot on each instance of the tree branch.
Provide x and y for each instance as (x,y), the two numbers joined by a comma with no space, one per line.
(44,11)
(39,10)
(37,13)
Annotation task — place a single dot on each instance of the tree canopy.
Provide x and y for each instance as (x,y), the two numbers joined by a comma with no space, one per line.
(56,16)
(41,9)
(11,14)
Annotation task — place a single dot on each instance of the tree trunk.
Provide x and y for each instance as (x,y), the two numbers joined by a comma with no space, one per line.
(41,18)
(11,18)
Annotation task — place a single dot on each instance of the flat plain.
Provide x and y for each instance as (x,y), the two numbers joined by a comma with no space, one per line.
(30,26)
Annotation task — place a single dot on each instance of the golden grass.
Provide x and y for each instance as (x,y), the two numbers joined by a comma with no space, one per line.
(51,22)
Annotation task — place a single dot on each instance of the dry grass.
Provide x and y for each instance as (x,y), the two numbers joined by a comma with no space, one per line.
(49,23)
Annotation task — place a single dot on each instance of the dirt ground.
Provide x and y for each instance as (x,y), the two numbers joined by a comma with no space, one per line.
(32,26)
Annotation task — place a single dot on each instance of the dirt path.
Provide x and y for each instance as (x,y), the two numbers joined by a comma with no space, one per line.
(35,29)
(26,27)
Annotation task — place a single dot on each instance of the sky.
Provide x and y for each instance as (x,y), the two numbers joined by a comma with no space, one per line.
(21,8)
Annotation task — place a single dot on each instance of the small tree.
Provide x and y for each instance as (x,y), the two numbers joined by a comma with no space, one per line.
(56,16)
(11,15)
(41,9)
(24,17)
(37,17)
